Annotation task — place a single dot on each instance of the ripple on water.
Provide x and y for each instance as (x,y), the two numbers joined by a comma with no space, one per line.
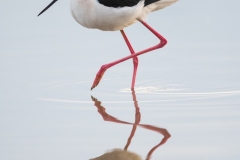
(153,90)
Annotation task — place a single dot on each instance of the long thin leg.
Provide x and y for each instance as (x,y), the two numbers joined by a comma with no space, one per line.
(135,59)
(162,43)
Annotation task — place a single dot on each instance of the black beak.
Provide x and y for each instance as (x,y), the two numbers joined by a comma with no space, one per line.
(47,7)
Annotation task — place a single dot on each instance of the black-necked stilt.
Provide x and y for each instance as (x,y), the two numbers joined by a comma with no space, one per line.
(112,15)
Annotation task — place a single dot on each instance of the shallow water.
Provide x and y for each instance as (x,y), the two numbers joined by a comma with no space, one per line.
(63,119)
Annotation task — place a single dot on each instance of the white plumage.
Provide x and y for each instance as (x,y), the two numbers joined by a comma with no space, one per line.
(92,14)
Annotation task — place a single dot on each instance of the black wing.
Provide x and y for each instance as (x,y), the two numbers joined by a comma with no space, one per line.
(119,3)
(147,2)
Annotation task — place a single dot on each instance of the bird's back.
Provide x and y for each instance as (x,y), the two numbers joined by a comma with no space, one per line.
(147,2)
(130,3)
(119,3)
(112,15)
(149,5)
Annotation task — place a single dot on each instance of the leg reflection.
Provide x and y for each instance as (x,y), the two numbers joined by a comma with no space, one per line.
(117,152)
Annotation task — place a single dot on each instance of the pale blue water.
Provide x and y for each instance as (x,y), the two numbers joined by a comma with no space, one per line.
(51,115)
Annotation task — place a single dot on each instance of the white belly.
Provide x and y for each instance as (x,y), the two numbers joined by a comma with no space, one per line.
(91,14)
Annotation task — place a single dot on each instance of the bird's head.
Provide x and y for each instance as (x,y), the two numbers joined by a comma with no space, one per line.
(47,7)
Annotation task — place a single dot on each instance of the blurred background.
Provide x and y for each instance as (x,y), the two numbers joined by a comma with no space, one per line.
(190,87)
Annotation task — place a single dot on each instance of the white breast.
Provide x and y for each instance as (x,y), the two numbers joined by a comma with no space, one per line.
(91,14)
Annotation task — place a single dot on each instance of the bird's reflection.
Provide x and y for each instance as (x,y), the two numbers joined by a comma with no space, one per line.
(123,154)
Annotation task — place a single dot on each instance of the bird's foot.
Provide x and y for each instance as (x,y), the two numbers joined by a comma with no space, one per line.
(99,76)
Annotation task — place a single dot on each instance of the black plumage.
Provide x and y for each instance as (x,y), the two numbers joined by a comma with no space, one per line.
(147,2)
(119,3)
(124,3)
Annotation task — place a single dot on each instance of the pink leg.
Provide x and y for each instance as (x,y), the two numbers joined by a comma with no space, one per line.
(162,43)
(135,59)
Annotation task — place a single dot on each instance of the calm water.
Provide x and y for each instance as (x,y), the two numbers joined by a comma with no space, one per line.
(52,114)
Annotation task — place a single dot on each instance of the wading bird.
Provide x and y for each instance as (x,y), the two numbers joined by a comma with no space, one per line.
(113,15)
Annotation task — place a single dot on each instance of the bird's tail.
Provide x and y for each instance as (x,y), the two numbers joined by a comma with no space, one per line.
(154,5)
(162,4)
